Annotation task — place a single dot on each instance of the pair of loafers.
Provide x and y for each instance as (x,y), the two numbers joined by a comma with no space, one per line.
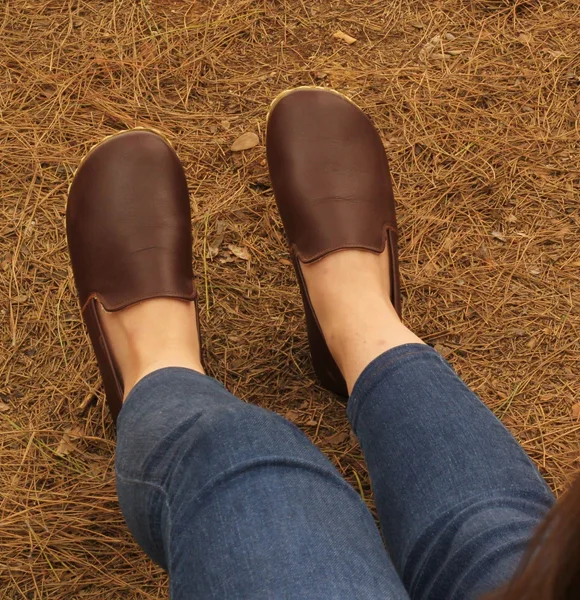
(129,223)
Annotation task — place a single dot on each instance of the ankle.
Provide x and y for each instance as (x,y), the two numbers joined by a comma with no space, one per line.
(367,329)
(148,352)
(153,335)
(350,295)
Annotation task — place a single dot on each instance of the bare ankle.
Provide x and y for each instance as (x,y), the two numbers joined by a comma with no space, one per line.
(152,335)
(350,294)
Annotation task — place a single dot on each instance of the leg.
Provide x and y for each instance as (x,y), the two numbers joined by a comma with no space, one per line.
(458,498)
(232,500)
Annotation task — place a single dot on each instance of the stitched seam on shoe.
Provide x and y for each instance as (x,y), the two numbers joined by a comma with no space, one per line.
(386,228)
(162,294)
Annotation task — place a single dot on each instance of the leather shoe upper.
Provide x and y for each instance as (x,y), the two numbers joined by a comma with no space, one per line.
(128,223)
(329,173)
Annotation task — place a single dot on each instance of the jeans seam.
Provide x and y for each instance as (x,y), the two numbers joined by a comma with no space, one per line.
(161,489)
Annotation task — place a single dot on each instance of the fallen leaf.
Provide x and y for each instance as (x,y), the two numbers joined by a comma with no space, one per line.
(449,37)
(285,261)
(498,236)
(6,262)
(74,432)
(213,248)
(534,271)
(4,407)
(95,470)
(20,298)
(538,171)
(292,415)
(245,142)
(455,52)
(426,51)
(417,24)
(239,251)
(576,410)
(443,350)
(66,445)
(225,124)
(438,56)
(511,219)
(340,35)
(311,423)
(525,38)
(509,421)
(337,438)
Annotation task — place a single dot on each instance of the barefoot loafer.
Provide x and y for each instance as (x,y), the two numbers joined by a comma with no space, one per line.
(333,188)
(129,235)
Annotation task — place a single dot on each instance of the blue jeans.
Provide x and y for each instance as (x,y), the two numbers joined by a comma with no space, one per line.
(236,503)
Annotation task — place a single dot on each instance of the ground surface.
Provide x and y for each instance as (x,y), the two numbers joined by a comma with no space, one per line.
(478,105)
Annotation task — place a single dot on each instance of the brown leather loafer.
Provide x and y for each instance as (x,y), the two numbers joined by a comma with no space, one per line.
(129,235)
(333,189)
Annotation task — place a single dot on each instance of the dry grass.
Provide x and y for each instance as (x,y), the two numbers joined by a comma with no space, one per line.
(484,151)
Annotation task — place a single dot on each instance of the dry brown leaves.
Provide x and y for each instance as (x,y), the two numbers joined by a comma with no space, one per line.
(482,132)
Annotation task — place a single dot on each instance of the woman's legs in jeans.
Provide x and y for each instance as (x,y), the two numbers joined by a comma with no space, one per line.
(236,503)
(457,496)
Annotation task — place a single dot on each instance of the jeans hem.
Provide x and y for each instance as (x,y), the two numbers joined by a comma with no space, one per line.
(165,372)
(377,368)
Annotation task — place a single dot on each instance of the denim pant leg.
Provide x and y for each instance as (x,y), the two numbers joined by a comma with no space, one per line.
(236,503)
(457,496)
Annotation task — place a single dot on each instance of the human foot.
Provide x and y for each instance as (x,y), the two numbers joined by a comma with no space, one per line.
(333,188)
(129,237)
(152,335)
(350,292)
